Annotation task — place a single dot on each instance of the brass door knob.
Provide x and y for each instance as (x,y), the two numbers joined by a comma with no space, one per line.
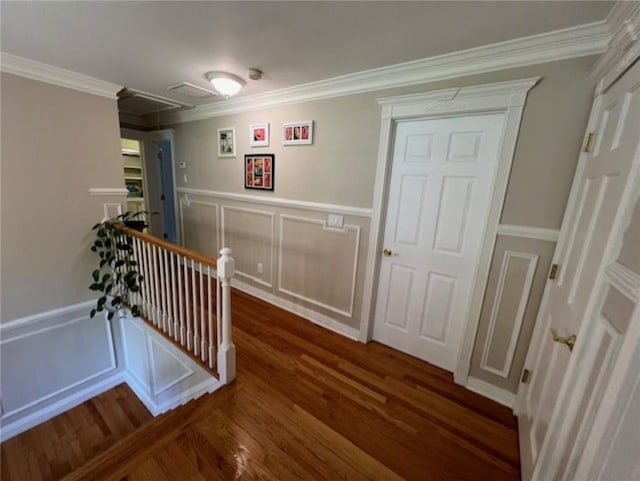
(387,252)
(570,341)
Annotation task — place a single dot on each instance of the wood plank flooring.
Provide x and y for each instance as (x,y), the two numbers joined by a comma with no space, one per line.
(55,448)
(309,404)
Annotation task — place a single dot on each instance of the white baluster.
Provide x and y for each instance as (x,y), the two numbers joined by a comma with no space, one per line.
(182,310)
(203,338)
(162,291)
(146,281)
(174,299)
(154,283)
(210,319)
(227,351)
(195,308)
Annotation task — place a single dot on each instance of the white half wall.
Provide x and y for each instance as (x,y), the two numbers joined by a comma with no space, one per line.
(56,360)
(52,362)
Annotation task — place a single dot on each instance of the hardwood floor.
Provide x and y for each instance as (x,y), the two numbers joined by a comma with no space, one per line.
(55,448)
(312,405)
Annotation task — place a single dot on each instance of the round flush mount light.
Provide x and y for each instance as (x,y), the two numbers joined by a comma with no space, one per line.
(226,83)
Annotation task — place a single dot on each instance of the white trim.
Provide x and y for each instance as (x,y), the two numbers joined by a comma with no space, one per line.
(43,72)
(578,41)
(54,315)
(344,231)
(155,389)
(309,314)
(262,213)
(623,23)
(502,97)
(517,324)
(538,233)
(624,280)
(501,396)
(93,191)
(280,202)
(23,424)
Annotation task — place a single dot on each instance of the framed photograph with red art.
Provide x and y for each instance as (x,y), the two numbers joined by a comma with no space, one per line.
(259,135)
(297,133)
(259,171)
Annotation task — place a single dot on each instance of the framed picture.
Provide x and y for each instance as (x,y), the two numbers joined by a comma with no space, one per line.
(297,133)
(259,135)
(259,170)
(227,142)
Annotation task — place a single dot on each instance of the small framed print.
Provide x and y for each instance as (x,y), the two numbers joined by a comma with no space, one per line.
(227,142)
(259,171)
(259,135)
(297,133)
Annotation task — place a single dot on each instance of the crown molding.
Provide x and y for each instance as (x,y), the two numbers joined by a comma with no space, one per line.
(623,47)
(579,41)
(57,76)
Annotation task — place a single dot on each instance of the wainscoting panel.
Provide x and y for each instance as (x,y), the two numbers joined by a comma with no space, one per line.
(516,282)
(52,362)
(199,225)
(287,253)
(318,264)
(507,313)
(250,235)
(160,374)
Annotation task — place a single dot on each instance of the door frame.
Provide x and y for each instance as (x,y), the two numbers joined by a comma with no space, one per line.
(503,97)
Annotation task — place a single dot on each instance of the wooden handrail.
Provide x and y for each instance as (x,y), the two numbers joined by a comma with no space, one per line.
(183,251)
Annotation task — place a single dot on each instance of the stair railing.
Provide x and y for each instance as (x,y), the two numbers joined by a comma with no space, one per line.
(176,296)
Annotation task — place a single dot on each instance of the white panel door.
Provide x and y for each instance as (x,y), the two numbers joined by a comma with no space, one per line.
(442,179)
(603,186)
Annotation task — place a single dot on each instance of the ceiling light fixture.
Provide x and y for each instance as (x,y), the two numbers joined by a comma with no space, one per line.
(226,83)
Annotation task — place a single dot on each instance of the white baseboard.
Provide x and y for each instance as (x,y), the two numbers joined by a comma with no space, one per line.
(309,314)
(499,395)
(18,426)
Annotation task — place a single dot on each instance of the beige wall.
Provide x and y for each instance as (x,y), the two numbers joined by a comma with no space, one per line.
(339,168)
(56,144)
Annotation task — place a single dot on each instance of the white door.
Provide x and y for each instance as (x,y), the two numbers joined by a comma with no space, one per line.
(442,179)
(605,184)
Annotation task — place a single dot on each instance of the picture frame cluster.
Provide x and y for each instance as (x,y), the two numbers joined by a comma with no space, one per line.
(259,169)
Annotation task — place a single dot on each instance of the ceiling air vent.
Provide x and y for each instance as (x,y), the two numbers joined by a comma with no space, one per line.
(190,90)
(141,103)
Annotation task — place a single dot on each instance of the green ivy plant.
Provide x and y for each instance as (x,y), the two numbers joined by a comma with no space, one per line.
(117,275)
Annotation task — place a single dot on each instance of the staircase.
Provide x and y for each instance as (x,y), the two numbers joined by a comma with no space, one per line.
(187,297)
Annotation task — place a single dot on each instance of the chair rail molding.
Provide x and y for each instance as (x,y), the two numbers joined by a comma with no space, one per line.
(279,202)
(43,72)
(538,233)
(578,41)
(507,98)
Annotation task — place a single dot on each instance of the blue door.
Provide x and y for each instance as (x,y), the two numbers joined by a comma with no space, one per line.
(163,154)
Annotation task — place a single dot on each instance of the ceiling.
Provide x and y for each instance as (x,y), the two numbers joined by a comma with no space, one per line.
(149,46)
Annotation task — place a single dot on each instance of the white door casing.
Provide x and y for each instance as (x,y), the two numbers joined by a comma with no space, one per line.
(565,387)
(506,98)
(439,197)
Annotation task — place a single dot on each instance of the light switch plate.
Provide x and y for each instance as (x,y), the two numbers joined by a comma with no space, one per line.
(335,220)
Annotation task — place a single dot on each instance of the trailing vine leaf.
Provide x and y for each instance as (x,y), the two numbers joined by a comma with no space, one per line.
(117,275)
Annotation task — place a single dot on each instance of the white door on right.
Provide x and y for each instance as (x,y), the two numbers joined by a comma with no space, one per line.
(605,184)
(442,178)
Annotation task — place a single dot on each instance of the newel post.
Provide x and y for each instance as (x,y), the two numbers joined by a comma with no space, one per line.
(227,351)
